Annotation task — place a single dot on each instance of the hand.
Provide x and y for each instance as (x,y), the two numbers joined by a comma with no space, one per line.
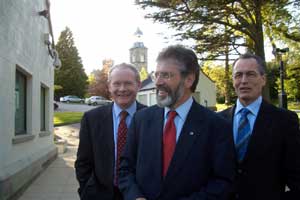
(140,198)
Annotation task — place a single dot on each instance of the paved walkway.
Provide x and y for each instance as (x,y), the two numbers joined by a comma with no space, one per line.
(58,181)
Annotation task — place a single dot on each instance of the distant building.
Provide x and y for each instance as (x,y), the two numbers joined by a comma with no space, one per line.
(205,93)
(26,105)
(139,53)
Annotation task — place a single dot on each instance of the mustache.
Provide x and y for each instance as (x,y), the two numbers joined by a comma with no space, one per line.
(163,88)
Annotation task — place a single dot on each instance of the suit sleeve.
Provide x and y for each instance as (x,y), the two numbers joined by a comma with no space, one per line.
(292,158)
(84,161)
(127,180)
(219,185)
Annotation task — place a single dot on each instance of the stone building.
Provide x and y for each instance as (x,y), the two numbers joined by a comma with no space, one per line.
(27,60)
(139,53)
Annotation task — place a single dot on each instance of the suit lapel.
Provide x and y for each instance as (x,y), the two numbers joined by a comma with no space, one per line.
(262,133)
(105,141)
(152,138)
(189,133)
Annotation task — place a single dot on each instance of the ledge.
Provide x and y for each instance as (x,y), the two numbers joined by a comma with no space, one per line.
(22,138)
(44,133)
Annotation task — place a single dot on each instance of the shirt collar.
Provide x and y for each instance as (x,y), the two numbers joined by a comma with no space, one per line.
(253,107)
(181,110)
(131,109)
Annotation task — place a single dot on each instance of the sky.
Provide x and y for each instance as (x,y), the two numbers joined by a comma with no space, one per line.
(105,29)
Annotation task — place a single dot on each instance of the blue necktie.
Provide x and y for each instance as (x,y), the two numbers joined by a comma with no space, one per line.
(243,135)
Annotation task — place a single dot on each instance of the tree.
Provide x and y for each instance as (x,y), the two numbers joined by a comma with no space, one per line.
(71,76)
(98,80)
(98,86)
(143,74)
(224,86)
(217,24)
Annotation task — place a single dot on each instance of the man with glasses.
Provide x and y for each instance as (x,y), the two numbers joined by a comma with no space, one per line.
(267,139)
(177,149)
(103,134)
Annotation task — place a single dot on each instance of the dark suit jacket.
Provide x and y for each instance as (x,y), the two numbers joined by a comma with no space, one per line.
(96,155)
(272,160)
(202,166)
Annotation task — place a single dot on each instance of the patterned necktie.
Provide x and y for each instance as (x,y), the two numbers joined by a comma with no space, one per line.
(121,141)
(169,141)
(243,134)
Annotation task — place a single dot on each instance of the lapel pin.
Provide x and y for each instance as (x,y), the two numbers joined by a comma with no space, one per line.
(192,133)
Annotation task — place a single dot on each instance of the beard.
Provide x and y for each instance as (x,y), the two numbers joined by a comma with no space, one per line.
(173,95)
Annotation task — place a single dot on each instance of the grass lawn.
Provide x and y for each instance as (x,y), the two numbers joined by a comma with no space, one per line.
(291,106)
(221,106)
(64,118)
(294,105)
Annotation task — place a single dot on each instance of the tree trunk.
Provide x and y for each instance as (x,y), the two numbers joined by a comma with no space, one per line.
(259,43)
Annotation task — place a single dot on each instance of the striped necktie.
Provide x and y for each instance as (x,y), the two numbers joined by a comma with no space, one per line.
(243,134)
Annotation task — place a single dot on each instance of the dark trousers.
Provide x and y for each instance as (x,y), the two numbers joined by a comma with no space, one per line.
(117,194)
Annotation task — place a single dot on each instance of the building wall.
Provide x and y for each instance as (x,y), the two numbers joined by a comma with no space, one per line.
(205,93)
(147,97)
(22,47)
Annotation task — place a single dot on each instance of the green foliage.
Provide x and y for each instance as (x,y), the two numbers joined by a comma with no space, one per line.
(64,118)
(217,74)
(221,27)
(143,74)
(215,24)
(71,76)
(272,74)
(292,83)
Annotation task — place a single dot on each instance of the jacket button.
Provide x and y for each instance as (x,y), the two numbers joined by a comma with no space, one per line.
(240,171)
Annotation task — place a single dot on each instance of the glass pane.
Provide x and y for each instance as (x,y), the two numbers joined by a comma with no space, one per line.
(20,104)
(43,109)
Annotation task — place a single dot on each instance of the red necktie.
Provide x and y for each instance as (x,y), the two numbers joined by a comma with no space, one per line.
(169,141)
(122,132)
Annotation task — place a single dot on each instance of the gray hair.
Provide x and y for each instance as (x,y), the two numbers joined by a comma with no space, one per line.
(260,62)
(124,66)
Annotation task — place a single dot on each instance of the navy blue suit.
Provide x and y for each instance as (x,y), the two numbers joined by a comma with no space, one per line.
(202,166)
(96,155)
(272,159)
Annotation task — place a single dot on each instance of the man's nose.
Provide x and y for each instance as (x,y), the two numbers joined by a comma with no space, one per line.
(159,81)
(244,78)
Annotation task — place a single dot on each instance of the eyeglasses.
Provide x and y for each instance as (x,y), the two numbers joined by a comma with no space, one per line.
(162,75)
(248,75)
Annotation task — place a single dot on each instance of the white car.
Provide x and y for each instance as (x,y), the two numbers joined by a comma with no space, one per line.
(97,100)
(71,98)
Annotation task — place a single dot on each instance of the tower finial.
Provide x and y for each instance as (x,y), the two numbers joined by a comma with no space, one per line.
(138,33)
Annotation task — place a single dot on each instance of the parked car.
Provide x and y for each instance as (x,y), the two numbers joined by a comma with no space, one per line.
(97,100)
(71,98)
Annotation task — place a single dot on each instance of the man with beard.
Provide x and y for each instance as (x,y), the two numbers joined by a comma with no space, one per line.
(103,135)
(177,149)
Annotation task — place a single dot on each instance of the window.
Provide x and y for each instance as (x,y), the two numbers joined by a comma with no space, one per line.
(142,58)
(153,99)
(20,103)
(143,99)
(43,109)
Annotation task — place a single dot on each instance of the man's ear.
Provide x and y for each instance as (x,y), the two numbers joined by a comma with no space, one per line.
(189,80)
